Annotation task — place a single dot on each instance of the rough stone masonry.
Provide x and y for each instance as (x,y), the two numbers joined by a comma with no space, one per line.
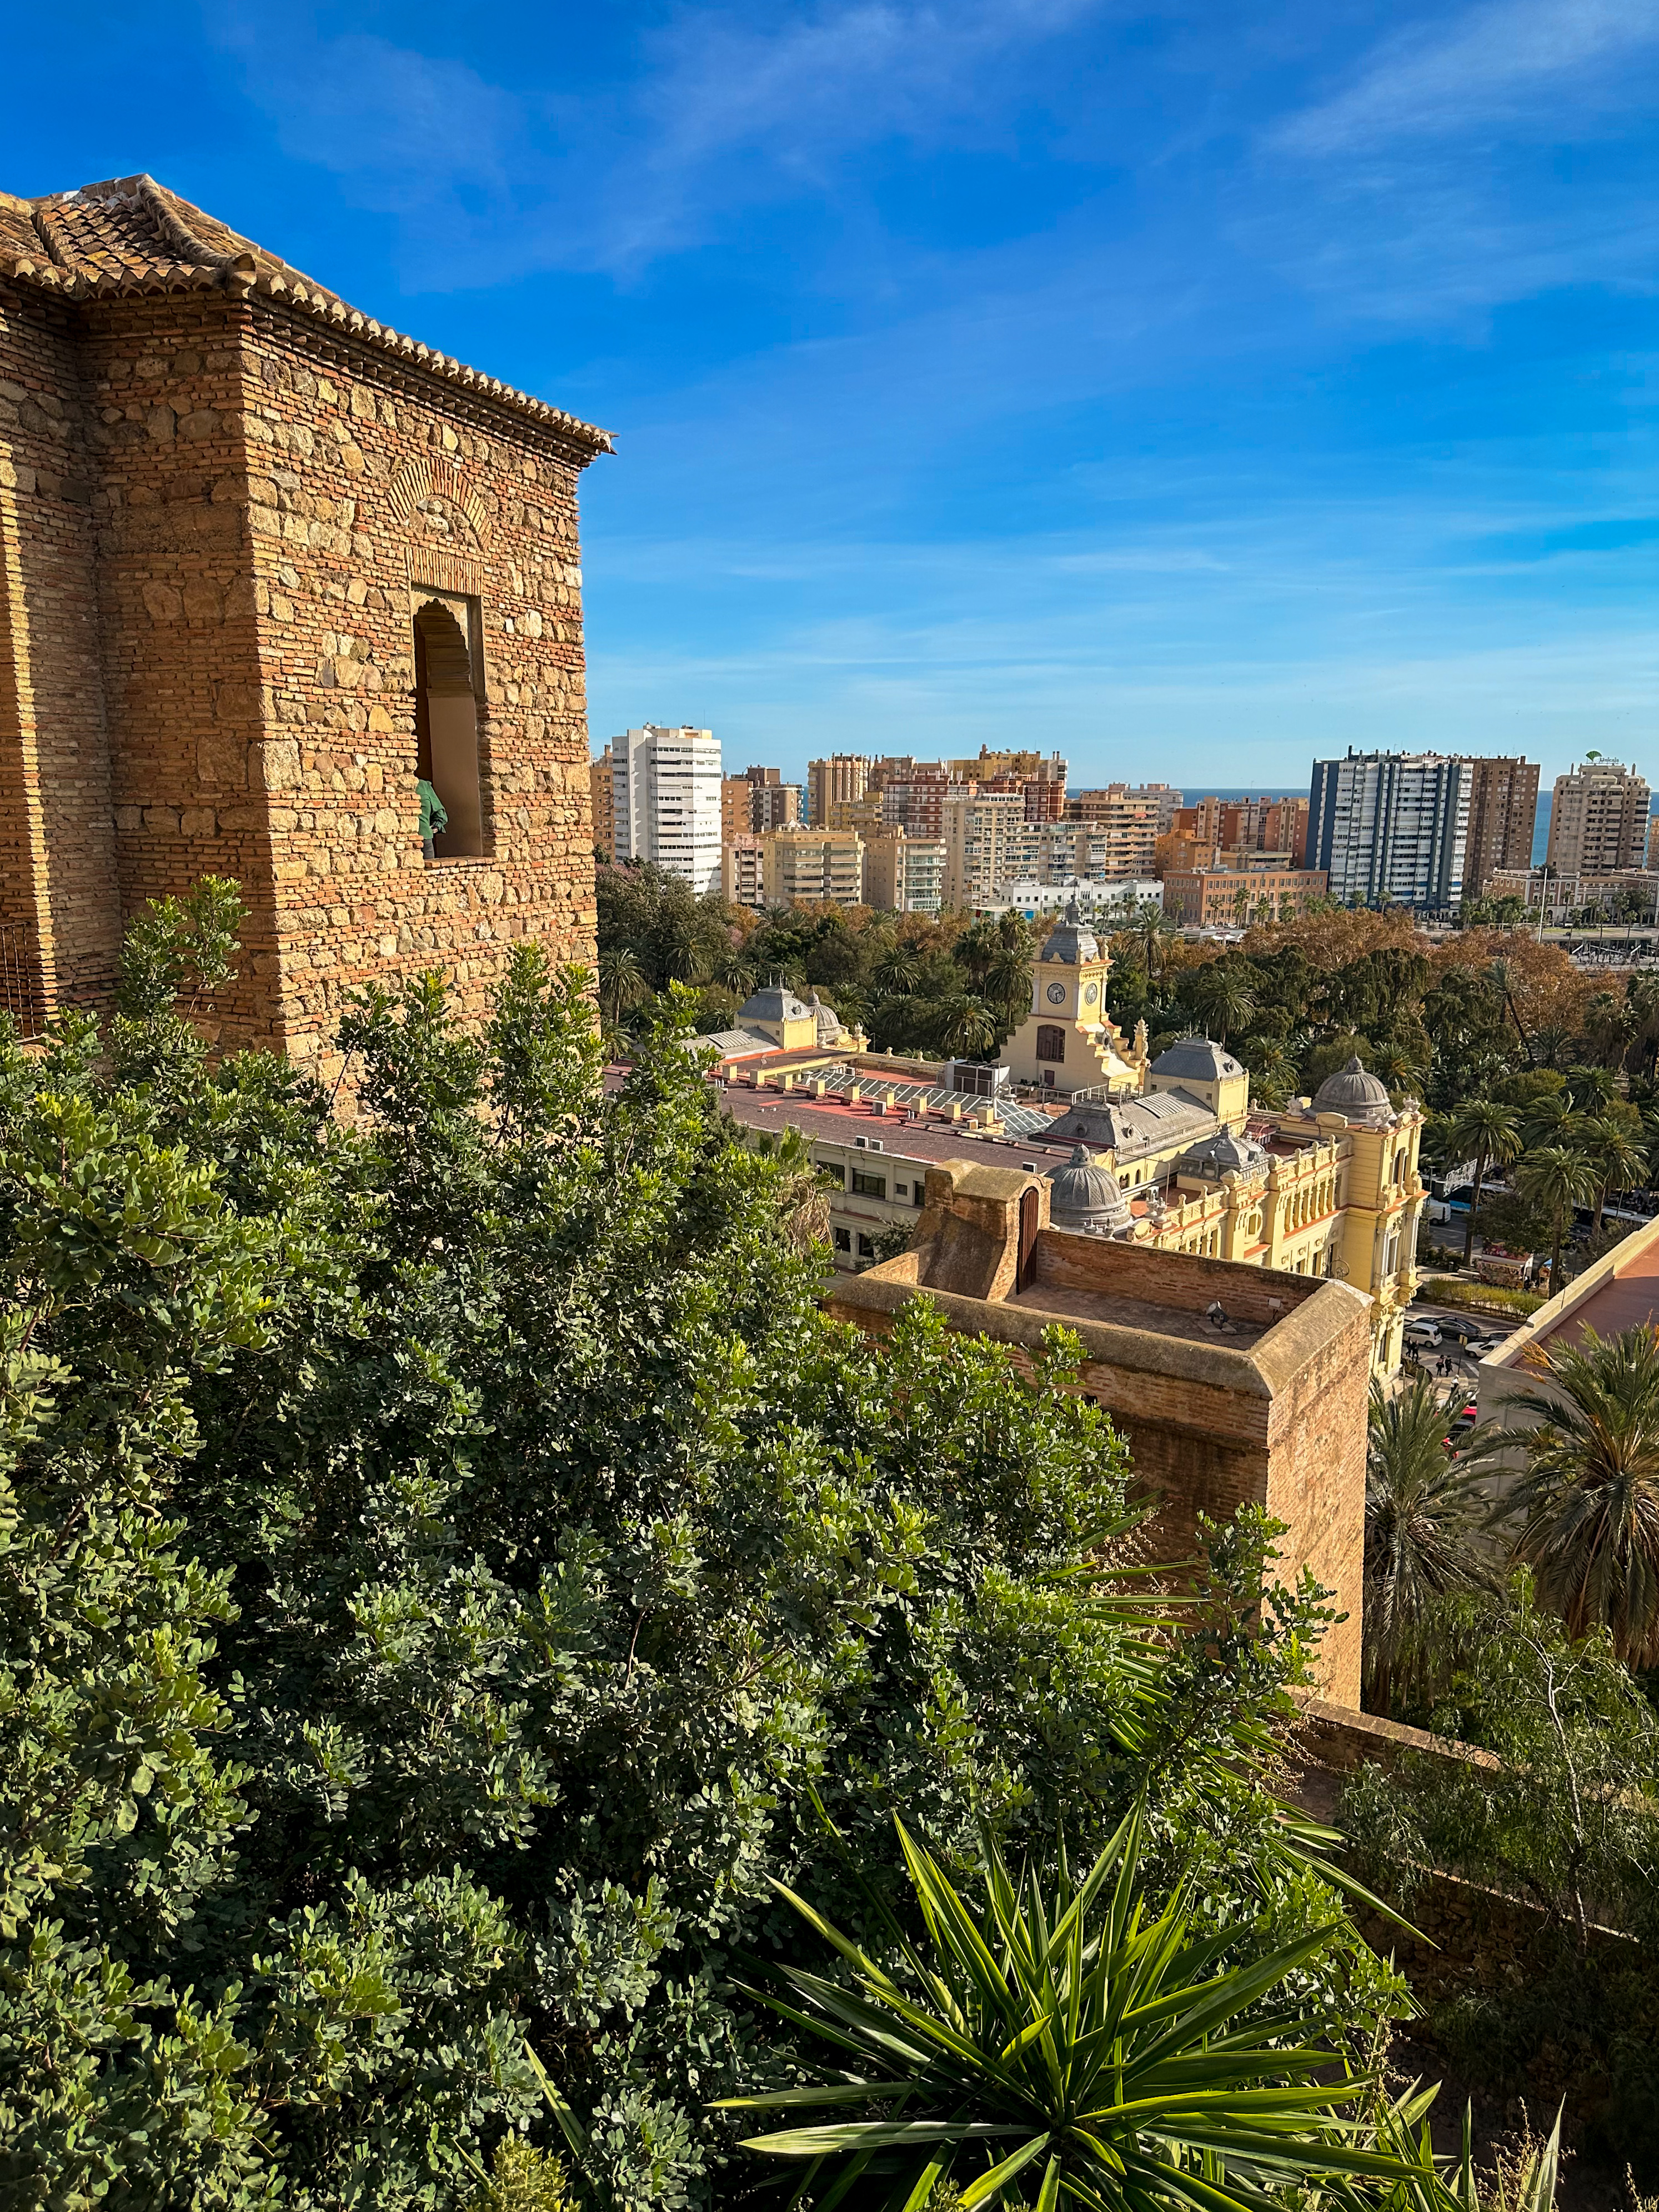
(265,565)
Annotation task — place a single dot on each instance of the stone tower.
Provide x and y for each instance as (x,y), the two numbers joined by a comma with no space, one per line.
(264,564)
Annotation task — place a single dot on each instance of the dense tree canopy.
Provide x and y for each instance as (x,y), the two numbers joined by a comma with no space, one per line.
(448,1562)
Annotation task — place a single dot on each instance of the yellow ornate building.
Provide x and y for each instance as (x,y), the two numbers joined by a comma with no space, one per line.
(1168,1153)
(1165,1155)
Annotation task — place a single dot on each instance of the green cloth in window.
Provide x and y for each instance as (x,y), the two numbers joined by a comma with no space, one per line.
(435,816)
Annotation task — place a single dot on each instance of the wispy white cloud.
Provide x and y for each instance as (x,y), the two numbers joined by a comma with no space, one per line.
(1506,61)
(807,88)
(723,113)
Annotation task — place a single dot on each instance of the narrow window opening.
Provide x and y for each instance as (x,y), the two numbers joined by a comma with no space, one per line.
(447,730)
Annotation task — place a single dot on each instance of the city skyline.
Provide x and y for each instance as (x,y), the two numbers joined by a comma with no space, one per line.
(1205,383)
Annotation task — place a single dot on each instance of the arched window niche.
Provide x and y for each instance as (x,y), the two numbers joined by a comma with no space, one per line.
(447,638)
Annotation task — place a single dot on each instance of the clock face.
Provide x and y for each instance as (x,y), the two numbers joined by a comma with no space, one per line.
(1056,994)
(1090,993)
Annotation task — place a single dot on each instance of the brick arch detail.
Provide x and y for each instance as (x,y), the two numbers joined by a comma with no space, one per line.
(428,476)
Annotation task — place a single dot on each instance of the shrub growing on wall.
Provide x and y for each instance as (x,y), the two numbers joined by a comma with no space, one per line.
(448,1563)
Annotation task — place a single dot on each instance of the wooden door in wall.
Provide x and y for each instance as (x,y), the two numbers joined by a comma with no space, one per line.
(1029,1211)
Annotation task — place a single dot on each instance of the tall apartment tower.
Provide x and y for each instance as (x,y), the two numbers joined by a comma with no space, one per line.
(843,775)
(758,800)
(776,806)
(913,794)
(982,836)
(1390,826)
(1503,816)
(667,794)
(602,795)
(1129,820)
(1040,782)
(1598,820)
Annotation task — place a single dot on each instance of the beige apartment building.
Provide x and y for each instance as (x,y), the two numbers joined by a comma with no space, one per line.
(1503,817)
(817,865)
(913,792)
(602,797)
(742,870)
(1129,821)
(981,833)
(865,815)
(1598,820)
(842,775)
(904,875)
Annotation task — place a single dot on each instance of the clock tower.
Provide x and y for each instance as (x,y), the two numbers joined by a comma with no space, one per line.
(1068,1041)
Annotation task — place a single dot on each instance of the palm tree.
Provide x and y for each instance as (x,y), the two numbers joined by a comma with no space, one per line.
(802,1190)
(1550,1043)
(1008,983)
(1076,2038)
(1502,973)
(1423,1515)
(1547,1120)
(1273,1071)
(896,970)
(1618,1160)
(1558,1178)
(1491,1132)
(733,970)
(622,985)
(1609,1024)
(1227,998)
(966,1028)
(1592,1089)
(1642,996)
(1152,929)
(1397,1066)
(1588,1503)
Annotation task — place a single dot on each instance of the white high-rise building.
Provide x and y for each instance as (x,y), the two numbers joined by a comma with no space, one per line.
(1391,826)
(667,788)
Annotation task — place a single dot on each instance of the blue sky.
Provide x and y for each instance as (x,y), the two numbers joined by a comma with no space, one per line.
(1194,388)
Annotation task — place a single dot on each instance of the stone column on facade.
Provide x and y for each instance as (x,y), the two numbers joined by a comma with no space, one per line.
(1273,1217)
(1233,1239)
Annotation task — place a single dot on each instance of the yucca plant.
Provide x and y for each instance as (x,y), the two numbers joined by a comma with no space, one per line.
(1525,2180)
(1070,2050)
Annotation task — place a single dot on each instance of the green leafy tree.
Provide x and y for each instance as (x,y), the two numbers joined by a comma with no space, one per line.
(1565,1811)
(1565,1814)
(444,1557)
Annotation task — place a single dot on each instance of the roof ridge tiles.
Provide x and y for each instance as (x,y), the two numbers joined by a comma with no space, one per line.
(185,260)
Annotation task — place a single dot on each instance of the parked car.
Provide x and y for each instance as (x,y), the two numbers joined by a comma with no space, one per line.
(1420,1332)
(1462,1327)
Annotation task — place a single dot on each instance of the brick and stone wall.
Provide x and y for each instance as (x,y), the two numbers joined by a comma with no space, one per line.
(220,519)
(1276,1419)
(57,829)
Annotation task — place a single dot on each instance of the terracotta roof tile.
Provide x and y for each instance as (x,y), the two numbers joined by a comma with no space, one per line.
(131,235)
